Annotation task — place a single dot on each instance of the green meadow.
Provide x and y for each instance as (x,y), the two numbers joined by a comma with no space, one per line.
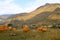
(50,34)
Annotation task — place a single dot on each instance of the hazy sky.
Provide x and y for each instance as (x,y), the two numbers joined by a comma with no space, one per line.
(18,6)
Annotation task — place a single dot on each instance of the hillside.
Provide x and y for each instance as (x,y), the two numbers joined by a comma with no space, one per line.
(46,14)
(46,17)
(3,18)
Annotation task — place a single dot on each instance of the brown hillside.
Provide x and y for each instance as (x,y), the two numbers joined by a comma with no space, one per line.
(44,14)
(49,8)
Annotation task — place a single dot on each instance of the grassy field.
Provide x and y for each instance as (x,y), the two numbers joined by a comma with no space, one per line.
(51,34)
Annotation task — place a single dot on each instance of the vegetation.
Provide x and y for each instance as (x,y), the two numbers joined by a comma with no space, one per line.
(48,15)
(51,34)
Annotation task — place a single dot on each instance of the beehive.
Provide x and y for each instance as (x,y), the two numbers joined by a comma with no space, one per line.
(14,29)
(26,28)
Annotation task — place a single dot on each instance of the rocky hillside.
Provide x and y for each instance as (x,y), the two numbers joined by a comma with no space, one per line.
(46,14)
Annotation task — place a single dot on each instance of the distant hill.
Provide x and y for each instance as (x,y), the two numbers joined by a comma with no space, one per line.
(46,14)
(3,18)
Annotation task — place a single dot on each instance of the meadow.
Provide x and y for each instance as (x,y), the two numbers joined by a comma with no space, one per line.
(50,34)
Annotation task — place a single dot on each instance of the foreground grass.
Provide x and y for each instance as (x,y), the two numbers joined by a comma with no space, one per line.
(51,34)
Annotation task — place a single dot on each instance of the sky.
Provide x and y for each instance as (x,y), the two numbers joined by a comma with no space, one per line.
(21,6)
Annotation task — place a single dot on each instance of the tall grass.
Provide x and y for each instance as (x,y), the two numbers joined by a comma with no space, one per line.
(51,34)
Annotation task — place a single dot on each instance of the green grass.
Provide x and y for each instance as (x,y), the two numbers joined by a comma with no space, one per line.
(51,34)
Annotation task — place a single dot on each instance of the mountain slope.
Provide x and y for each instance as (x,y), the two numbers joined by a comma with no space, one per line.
(47,14)
(45,8)
(46,17)
(56,14)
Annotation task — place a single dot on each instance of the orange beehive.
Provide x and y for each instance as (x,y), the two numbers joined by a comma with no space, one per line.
(1,28)
(42,28)
(45,29)
(26,28)
(5,27)
(14,29)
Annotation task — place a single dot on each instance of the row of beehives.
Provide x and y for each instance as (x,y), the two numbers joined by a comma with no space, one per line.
(41,28)
(25,28)
(3,28)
